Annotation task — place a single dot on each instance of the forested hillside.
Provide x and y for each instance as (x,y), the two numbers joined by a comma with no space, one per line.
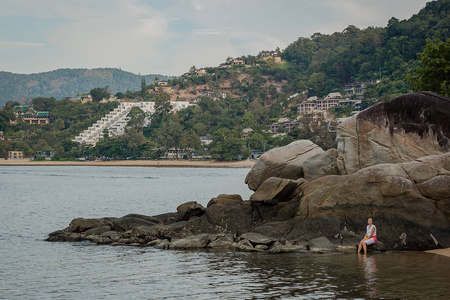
(323,63)
(67,83)
(235,103)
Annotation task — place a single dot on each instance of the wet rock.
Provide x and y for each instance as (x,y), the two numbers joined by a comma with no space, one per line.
(230,216)
(98,230)
(222,242)
(279,248)
(82,225)
(196,241)
(261,247)
(395,131)
(129,222)
(284,162)
(275,230)
(256,238)
(245,245)
(113,235)
(188,210)
(321,244)
(158,243)
(198,225)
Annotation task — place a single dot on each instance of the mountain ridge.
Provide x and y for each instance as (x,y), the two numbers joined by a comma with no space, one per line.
(67,82)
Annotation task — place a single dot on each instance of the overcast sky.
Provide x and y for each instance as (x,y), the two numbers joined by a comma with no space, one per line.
(169,36)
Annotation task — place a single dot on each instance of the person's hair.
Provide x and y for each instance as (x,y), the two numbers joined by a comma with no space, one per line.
(370,218)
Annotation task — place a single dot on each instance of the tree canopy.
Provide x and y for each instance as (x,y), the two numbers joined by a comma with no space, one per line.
(433,72)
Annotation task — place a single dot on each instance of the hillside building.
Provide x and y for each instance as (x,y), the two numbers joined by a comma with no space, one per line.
(15,154)
(313,104)
(30,116)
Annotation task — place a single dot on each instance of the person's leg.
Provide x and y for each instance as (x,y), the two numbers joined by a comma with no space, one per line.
(360,246)
(367,243)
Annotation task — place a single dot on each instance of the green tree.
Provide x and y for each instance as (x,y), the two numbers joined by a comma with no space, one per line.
(433,73)
(99,93)
(144,89)
(43,104)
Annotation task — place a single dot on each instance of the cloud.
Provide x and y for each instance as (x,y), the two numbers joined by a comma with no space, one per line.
(20,44)
(168,37)
(207,32)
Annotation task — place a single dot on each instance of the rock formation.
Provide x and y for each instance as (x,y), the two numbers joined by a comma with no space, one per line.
(399,130)
(284,162)
(392,164)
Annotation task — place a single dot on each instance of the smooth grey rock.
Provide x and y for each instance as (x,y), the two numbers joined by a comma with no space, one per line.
(275,189)
(196,241)
(284,162)
(321,244)
(222,242)
(256,238)
(321,164)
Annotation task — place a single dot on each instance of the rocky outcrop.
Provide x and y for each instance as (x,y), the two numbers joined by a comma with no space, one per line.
(409,203)
(399,130)
(382,169)
(407,215)
(284,162)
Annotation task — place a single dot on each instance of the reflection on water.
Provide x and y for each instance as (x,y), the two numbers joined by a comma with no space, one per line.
(369,266)
(31,268)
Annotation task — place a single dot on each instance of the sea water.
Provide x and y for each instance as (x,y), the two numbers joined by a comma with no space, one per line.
(37,200)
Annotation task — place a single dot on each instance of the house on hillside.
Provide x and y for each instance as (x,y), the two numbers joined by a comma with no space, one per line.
(201,72)
(206,140)
(238,61)
(286,123)
(30,116)
(313,104)
(336,95)
(246,132)
(358,88)
(270,55)
(15,154)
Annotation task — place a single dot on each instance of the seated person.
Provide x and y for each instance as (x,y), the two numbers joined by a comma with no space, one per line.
(370,238)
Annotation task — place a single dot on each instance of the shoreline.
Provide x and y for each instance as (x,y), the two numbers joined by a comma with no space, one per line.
(443,252)
(133,163)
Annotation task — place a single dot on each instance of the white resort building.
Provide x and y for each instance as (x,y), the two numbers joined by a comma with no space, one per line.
(116,121)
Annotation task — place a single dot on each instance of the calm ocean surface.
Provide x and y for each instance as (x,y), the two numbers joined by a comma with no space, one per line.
(35,201)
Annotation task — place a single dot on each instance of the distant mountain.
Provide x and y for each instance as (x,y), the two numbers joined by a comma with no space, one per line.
(67,83)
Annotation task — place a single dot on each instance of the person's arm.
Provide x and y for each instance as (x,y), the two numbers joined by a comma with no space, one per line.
(371,232)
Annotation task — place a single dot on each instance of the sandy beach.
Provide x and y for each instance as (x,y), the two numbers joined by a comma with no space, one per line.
(444,252)
(134,163)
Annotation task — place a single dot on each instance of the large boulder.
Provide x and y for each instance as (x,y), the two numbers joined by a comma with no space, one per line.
(321,164)
(399,130)
(229,213)
(276,189)
(189,209)
(409,203)
(284,162)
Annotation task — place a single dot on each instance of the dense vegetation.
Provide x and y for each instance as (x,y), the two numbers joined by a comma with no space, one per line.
(66,83)
(258,94)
